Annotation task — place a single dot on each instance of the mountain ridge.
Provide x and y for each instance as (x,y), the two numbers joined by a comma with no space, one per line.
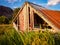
(6,11)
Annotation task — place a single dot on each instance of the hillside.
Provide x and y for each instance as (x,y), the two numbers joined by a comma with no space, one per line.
(6,11)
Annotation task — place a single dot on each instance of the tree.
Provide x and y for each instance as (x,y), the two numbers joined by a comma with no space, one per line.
(3,20)
(15,12)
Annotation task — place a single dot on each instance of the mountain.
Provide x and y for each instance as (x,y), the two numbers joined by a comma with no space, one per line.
(6,11)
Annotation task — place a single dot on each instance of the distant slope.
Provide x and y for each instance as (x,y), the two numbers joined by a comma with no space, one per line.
(6,11)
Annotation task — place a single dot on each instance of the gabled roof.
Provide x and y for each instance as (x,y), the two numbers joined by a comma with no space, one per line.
(52,15)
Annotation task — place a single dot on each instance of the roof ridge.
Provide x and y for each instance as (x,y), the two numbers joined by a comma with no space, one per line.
(40,6)
(35,4)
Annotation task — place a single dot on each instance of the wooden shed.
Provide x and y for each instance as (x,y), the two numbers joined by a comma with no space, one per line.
(32,16)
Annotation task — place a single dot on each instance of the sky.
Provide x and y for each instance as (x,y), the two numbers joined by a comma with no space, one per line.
(50,4)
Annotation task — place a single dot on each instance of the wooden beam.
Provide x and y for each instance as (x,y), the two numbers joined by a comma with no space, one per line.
(6,24)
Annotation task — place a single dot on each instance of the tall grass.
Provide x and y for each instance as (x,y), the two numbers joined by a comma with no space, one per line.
(9,36)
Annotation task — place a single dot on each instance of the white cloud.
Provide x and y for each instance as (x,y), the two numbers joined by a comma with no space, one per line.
(42,4)
(15,7)
(53,2)
(34,2)
(13,1)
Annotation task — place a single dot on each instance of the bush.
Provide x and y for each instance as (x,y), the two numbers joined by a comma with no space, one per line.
(57,38)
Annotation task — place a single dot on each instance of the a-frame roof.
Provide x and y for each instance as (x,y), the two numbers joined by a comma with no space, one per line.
(52,15)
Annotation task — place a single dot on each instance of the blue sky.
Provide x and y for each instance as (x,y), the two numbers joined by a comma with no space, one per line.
(50,4)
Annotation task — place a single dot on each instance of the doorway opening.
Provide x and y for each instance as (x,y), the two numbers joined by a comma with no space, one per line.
(40,23)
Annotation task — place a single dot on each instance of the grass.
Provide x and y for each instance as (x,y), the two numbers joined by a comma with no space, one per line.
(9,36)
